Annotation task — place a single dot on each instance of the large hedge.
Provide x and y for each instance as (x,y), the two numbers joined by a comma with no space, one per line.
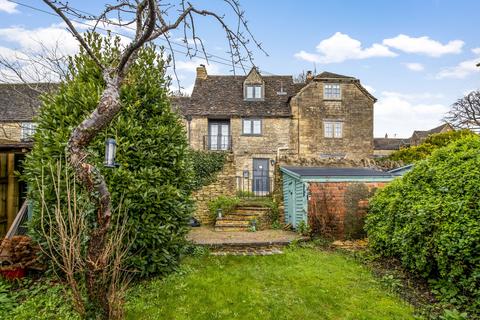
(430,220)
(154,177)
(432,143)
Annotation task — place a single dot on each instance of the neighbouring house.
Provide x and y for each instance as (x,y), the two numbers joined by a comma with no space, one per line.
(386,146)
(257,117)
(18,106)
(331,201)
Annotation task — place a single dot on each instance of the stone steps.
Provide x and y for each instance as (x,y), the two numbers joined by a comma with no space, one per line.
(240,219)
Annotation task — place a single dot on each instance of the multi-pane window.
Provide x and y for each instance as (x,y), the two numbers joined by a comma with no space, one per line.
(331,91)
(252,126)
(253,92)
(333,129)
(27,130)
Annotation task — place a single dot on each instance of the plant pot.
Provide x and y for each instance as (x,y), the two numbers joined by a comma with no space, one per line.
(13,273)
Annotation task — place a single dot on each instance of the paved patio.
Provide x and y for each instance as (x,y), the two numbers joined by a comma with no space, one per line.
(207,236)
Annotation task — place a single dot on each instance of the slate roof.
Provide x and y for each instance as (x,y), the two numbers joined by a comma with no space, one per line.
(20,102)
(424,134)
(331,75)
(390,143)
(222,96)
(336,172)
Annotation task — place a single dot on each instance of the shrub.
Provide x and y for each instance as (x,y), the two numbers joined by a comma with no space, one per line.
(154,177)
(227,204)
(430,220)
(206,165)
(425,149)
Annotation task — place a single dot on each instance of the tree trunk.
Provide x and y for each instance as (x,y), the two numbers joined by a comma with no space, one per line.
(108,107)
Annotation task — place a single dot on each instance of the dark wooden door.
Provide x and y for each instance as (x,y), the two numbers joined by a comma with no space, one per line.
(260,179)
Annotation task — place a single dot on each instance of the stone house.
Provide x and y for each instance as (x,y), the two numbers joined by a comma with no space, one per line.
(386,146)
(259,118)
(18,106)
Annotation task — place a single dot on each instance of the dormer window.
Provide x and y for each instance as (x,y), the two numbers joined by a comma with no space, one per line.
(331,91)
(253,92)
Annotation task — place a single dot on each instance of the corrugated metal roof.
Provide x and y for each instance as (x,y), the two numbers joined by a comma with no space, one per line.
(336,172)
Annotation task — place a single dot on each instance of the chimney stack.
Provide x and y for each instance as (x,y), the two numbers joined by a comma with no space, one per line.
(201,72)
(309,76)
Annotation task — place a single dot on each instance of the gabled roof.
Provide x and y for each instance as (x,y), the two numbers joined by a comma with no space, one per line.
(222,96)
(20,102)
(331,75)
(426,133)
(390,143)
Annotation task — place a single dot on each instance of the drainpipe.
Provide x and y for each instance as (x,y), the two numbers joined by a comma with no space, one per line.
(189,120)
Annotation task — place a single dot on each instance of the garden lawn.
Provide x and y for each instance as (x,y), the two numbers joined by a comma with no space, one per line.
(303,283)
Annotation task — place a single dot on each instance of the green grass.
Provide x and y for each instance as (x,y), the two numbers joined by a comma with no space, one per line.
(301,284)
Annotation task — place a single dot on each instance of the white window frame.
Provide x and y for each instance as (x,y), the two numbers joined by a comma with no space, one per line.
(333,129)
(332,91)
(253,92)
(27,129)
(250,124)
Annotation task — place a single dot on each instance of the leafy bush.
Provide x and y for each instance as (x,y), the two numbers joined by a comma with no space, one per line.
(227,204)
(154,177)
(206,165)
(27,300)
(425,149)
(430,220)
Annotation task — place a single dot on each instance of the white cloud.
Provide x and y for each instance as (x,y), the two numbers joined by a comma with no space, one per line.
(424,45)
(400,114)
(413,96)
(463,69)
(414,66)
(8,7)
(190,66)
(340,47)
(36,39)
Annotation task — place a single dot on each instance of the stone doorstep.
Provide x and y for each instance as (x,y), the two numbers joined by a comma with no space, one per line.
(232,228)
(228,222)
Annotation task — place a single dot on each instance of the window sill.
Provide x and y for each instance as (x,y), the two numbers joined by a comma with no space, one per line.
(332,99)
(251,135)
(254,100)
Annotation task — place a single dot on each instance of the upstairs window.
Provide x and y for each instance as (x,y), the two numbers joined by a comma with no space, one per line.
(331,91)
(252,127)
(253,92)
(333,129)
(27,130)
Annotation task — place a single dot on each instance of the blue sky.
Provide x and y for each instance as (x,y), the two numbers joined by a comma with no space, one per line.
(416,57)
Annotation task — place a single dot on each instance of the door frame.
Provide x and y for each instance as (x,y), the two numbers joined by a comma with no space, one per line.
(266,189)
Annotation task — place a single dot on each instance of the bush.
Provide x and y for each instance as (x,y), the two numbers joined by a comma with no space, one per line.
(154,177)
(206,165)
(425,149)
(430,220)
(227,204)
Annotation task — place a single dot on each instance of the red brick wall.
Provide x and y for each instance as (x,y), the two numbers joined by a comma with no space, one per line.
(331,202)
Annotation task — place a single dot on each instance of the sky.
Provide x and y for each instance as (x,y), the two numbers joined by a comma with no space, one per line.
(416,57)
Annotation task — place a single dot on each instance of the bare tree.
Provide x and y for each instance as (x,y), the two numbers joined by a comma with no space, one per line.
(465,113)
(150,20)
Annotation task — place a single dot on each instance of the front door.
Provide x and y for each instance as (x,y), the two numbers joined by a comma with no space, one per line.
(260,179)
(219,135)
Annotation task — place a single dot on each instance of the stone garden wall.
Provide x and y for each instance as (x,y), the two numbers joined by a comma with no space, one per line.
(224,184)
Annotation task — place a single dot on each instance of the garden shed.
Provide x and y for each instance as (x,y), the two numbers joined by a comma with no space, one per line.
(327,198)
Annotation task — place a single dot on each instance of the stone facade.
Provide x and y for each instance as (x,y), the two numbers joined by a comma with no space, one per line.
(335,206)
(10,131)
(310,112)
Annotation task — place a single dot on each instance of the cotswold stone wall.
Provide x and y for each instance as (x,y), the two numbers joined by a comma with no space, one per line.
(224,184)
(310,110)
(337,209)
(10,131)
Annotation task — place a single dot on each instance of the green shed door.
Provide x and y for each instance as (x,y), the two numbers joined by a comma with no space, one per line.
(288,197)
